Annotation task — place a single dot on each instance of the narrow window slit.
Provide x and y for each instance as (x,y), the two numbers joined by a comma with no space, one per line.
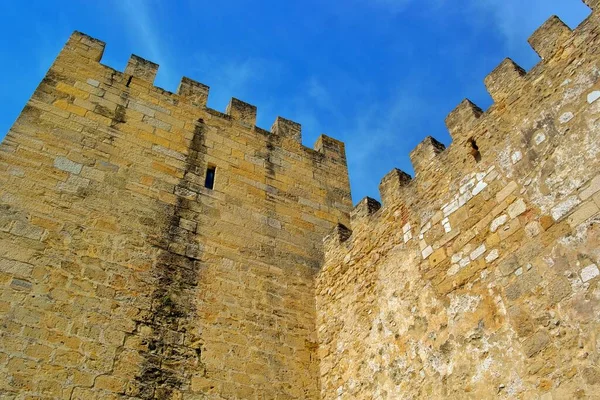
(210,177)
(129,80)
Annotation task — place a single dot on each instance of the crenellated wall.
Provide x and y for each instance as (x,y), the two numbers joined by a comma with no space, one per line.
(123,276)
(479,278)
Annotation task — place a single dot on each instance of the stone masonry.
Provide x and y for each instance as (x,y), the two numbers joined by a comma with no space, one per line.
(480,278)
(126,274)
(123,276)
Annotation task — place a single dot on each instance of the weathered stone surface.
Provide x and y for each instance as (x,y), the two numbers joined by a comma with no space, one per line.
(463,290)
(124,276)
(549,37)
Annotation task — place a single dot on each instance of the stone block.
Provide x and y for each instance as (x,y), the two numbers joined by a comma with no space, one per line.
(558,289)
(517,208)
(592,188)
(286,128)
(67,165)
(590,272)
(521,321)
(390,187)
(20,284)
(437,257)
(565,207)
(548,38)
(16,268)
(422,155)
(506,78)
(506,191)
(194,92)
(582,213)
(509,229)
(536,343)
(460,121)
(141,68)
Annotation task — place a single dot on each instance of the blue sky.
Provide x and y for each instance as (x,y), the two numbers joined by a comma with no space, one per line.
(380,75)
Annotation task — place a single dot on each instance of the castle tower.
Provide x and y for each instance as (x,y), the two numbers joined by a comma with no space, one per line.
(151,247)
(154,248)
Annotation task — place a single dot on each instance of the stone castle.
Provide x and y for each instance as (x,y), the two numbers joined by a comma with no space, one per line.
(154,248)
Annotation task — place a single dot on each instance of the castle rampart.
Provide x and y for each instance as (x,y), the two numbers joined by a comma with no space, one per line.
(479,277)
(154,248)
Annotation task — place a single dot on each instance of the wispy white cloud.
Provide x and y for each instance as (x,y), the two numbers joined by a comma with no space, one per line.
(399,6)
(516,20)
(229,76)
(319,94)
(142,25)
(391,5)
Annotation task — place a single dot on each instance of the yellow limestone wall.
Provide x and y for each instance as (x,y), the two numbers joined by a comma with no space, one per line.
(479,279)
(122,276)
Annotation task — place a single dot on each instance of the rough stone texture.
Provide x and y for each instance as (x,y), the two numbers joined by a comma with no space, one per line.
(122,276)
(478,279)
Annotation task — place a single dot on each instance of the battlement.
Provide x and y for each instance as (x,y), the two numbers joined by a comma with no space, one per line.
(178,241)
(154,248)
(447,289)
(143,72)
(470,127)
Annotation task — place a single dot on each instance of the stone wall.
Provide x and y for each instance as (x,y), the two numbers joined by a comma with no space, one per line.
(122,276)
(479,278)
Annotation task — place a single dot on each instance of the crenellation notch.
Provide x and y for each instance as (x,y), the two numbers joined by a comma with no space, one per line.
(593,4)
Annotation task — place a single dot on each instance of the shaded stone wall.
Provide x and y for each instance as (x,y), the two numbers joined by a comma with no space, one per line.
(479,278)
(122,276)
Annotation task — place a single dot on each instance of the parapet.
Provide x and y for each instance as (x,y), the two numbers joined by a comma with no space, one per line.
(364,209)
(241,111)
(86,46)
(470,126)
(143,72)
(503,80)
(331,147)
(339,235)
(460,121)
(141,68)
(286,128)
(425,152)
(195,92)
(390,187)
(547,39)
